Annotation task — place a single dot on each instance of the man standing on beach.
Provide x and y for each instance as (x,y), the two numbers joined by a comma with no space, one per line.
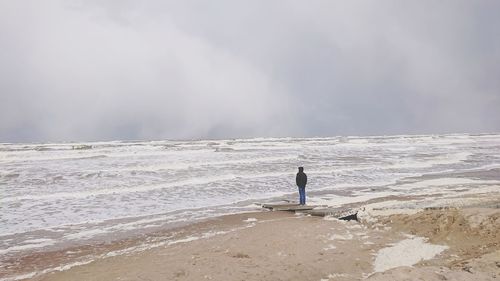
(301,181)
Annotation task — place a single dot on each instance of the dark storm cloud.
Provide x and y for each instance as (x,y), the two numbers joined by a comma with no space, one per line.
(74,70)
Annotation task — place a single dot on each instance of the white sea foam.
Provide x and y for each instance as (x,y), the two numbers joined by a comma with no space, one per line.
(406,253)
(447,159)
(336,200)
(370,213)
(183,166)
(445,182)
(85,234)
(20,277)
(29,245)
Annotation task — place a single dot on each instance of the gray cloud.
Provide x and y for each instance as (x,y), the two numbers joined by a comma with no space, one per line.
(94,70)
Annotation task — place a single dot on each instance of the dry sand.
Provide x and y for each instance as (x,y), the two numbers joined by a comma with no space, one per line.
(434,244)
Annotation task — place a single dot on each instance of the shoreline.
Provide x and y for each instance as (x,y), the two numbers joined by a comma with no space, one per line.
(265,245)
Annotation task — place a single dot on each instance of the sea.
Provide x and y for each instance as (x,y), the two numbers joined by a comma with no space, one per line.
(58,196)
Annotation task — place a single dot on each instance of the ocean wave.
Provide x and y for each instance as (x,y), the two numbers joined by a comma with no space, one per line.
(28,245)
(30,158)
(224,149)
(134,189)
(82,147)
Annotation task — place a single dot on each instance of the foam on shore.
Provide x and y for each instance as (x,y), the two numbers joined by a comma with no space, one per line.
(406,253)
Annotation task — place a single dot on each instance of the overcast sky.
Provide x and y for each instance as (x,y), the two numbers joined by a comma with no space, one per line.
(108,70)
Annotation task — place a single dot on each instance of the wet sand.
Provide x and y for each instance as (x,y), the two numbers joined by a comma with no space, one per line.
(261,246)
(286,246)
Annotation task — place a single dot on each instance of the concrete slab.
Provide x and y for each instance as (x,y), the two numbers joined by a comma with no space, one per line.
(340,213)
(278,205)
(289,207)
(294,208)
(314,210)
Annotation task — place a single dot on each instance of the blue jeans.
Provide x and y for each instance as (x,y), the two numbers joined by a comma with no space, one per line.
(302,195)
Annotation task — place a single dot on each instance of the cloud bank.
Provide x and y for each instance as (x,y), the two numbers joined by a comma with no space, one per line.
(102,70)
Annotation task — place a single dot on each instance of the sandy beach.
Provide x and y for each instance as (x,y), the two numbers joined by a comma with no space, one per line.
(427,208)
(453,242)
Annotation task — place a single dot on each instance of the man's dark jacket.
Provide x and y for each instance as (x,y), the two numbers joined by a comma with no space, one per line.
(301,179)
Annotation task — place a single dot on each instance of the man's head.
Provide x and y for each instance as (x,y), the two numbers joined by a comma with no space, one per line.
(301,169)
